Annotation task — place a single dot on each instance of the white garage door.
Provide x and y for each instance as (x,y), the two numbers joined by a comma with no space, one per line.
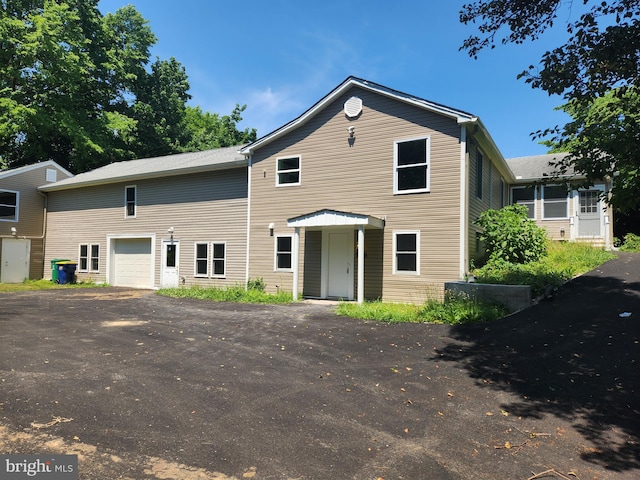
(132,263)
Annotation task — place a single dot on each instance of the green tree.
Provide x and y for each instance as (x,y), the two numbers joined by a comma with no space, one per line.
(210,130)
(77,87)
(598,62)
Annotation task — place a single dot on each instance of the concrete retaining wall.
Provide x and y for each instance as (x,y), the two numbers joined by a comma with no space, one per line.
(514,297)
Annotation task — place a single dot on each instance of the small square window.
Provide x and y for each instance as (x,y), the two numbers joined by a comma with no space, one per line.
(288,171)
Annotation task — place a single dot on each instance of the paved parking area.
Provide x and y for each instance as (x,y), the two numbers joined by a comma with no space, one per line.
(143,386)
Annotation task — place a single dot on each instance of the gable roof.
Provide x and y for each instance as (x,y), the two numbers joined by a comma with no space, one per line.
(459,115)
(34,166)
(165,166)
(536,167)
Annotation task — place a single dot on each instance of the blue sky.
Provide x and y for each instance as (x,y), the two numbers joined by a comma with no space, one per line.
(279,57)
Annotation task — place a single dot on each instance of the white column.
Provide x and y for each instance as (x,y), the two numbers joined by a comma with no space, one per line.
(294,261)
(360,263)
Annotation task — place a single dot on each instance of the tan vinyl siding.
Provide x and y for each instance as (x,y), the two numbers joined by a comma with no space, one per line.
(204,207)
(357,177)
(31,211)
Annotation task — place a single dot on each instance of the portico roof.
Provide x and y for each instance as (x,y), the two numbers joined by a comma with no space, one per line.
(334,218)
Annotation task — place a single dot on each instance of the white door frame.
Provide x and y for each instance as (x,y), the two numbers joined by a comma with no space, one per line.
(169,276)
(325,273)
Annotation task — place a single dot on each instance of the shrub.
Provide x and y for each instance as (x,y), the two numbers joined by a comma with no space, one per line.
(510,236)
(631,243)
(460,308)
(256,284)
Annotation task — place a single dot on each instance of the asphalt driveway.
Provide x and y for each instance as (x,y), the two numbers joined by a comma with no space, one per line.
(144,387)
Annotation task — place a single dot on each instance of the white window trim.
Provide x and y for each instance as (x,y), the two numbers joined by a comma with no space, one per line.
(299,170)
(395,258)
(89,257)
(395,166)
(535,198)
(17,206)
(544,217)
(135,201)
(275,254)
(223,274)
(196,258)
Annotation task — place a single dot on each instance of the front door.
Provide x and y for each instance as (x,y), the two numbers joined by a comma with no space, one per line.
(15,260)
(170,264)
(589,213)
(340,265)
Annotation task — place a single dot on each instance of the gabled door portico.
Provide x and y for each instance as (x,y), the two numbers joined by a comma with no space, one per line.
(337,250)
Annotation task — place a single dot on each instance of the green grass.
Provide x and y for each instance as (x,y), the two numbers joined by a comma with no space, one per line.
(43,285)
(563,262)
(235,293)
(455,310)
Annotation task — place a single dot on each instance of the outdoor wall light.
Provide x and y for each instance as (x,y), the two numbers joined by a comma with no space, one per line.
(170,230)
(14,231)
(562,232)
(352,131)
(271,227)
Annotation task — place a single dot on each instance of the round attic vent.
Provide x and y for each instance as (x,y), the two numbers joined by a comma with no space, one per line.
(353,107)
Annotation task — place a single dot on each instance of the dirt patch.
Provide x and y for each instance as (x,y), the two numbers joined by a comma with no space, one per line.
(97,294)
(94,463)
(124,323)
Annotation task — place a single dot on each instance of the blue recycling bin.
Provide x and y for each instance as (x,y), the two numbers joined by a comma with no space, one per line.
(66,272)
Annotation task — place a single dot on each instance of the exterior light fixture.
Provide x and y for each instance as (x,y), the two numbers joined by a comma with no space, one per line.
(14,231)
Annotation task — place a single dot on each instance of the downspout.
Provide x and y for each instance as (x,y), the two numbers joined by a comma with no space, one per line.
(464,204)
(246,274)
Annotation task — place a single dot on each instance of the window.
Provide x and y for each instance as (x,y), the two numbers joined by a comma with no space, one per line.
(219,259)
(202,260)
(589,201)
(51,175)
(502,188)
(288,171)
(9,206)
(89,258)
(479,174)
(411,165)
(555,202)
(284,250)
(130,201)
(406,252)
(525,196)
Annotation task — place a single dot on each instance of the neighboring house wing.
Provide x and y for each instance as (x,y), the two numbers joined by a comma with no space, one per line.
(22,219)
(560,204)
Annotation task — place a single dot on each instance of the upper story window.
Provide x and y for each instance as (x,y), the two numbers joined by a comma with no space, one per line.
(130,200)
(288,171)
(555,202)
(479,174)
(9,205)
(525,196)
(411,166)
